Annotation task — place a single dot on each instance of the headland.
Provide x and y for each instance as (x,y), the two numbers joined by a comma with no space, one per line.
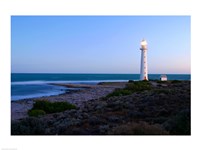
(125,108)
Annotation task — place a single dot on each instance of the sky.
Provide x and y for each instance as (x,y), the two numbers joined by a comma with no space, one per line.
(100,44)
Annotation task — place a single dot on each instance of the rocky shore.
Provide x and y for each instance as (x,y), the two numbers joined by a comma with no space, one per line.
(161,109)
(83,93)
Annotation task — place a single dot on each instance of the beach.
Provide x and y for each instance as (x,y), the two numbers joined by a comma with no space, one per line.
(84,93)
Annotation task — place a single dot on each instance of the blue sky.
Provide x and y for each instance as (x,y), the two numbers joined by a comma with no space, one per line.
(99,44)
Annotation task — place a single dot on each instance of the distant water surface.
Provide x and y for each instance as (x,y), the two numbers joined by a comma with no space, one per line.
(30,85)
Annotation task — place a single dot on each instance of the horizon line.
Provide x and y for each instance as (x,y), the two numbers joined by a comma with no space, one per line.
(87,73)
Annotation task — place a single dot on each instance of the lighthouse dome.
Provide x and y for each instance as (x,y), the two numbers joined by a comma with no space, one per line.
(143,45)
(143,42)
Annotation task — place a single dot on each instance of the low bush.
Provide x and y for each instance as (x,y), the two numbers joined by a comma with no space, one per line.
(131,87)
(130,81)
(36,112)
(179,124)
(28,126)
(41,107)
(138,86)
(159,81)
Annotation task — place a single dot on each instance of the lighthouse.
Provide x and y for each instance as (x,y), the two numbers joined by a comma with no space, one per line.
(143,67)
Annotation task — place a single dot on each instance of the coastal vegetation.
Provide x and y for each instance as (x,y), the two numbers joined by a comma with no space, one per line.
(131,87)
(140,108)
(36,112)
(175,81)
(42,107)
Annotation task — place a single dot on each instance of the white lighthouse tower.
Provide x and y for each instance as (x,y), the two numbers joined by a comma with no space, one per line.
(143,67)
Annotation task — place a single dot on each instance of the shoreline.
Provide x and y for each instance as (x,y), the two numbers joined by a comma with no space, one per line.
(152,108)
(69,86)
(84,93)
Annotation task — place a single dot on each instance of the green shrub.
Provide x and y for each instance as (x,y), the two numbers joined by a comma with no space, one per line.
(131,87)
(159,81)
(130,81)
(138,86)
(52,107)
(36,112)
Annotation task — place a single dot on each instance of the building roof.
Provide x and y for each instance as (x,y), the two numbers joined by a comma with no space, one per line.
(163,76)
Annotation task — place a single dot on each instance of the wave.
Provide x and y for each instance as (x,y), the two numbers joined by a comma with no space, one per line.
(27,82)
(20,97)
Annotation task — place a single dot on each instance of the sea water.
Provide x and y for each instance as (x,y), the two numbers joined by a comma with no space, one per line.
(31,85)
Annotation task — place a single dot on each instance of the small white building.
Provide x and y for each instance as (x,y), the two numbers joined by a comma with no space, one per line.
(163,78)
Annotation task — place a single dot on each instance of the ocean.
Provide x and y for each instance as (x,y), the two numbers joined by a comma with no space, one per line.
(32,85)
